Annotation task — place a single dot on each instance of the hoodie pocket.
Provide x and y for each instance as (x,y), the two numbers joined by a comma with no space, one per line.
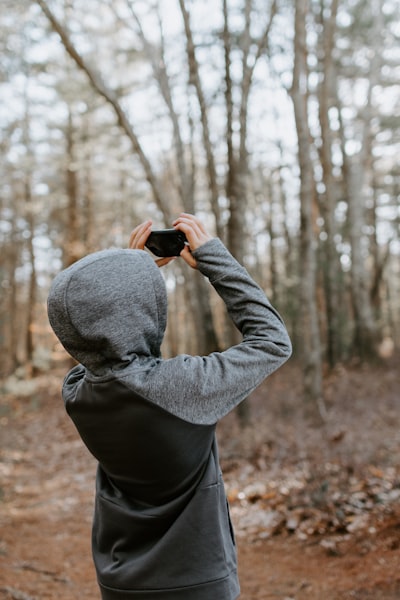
(175,547)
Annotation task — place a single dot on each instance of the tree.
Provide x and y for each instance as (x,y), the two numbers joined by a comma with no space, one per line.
(206,334)
(303,187)
(357,169)
(311,348)
(331,268)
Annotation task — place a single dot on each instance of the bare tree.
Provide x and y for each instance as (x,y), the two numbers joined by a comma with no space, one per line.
(357,186)
(213,151)
(236,185)
(311,346)
(155,53)
(195,81)
(331,267)
(207,340)
(110,96)
(10,318)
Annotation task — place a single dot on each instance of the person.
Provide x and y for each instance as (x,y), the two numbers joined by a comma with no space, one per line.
(161,525)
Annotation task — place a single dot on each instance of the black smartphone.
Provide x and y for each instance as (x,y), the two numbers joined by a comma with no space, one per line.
(166,242)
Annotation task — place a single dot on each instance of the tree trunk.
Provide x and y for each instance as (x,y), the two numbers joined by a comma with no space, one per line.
(237,158)
(365,330)
(311,350)
(195,81)
(31,299)
(161,76)
(73,247)
(10,315)
(331,263)
(88,199)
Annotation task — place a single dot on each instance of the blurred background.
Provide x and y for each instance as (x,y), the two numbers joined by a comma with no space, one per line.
(277,122)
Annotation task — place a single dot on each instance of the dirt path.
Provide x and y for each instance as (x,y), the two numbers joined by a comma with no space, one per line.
(46,486)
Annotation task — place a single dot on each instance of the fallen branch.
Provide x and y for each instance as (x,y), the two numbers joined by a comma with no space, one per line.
(16,594)
(53,574)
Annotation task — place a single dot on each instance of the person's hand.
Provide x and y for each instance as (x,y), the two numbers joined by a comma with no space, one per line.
(196,235)
(138,239)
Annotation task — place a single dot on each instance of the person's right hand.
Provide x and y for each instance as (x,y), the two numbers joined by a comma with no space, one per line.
(138,239)
(196,235)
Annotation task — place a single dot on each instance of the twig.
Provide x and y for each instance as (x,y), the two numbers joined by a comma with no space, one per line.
(52,574)
(16,594)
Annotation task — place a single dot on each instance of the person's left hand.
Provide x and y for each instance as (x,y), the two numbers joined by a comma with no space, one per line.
(138,239)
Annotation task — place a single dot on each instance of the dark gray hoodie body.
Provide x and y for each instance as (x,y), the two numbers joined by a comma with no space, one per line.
(161,525)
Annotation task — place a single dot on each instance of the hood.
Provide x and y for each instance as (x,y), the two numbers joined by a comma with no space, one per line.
(109,308)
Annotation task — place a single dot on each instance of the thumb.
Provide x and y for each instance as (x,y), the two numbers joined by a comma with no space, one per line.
(160,262)
(188,257)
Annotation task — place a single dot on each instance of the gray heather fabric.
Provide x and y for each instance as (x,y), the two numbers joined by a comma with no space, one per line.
(109,308)
(109,311)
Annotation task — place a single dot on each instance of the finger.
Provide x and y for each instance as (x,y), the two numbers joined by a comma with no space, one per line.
(161,262)
(187,219)
(188,257)
(192,221)
(135,236)
(139,235)
(188,226)
(196,234)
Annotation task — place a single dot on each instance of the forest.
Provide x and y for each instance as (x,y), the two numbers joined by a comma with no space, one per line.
(277,123)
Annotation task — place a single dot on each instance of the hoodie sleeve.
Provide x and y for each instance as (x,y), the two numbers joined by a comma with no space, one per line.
(203,389)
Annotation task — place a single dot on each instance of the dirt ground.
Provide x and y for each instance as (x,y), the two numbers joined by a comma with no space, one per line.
(316,506)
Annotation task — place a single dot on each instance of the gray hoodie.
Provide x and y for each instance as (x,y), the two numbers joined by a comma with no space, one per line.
(161,524)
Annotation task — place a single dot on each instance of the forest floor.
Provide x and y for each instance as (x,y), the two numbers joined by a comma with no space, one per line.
(316,506)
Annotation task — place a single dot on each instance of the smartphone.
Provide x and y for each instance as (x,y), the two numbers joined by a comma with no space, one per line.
(166,242)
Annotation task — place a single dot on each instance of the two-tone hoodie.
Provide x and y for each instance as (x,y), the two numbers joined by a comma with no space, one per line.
(161,527)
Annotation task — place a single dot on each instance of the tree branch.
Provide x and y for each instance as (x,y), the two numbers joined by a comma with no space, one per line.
(195,81)
(109,95)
